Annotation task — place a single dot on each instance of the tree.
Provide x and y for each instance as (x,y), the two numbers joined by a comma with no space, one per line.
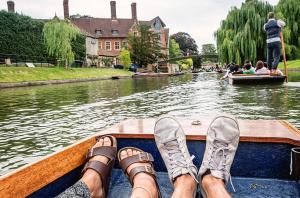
(186,43)
(144,46)
(174,49)
(209,49)
(209,53)
(185,64)
(58,36)
(240,36)
(125,58)
(289,11)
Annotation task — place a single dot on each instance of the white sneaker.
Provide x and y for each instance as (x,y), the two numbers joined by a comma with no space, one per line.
(171,143)
(221,143)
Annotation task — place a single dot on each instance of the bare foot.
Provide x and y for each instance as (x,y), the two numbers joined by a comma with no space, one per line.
(184,187)
(141,179)
(91,178)
(214,187)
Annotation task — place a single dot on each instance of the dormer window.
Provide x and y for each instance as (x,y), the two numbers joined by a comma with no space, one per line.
(99,33)
(115,32)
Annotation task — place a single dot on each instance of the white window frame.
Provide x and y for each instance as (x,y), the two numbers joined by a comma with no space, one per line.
(106,42)
(119,45)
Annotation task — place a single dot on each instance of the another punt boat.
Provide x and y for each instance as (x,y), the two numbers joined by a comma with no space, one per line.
(255,79)
(261,167)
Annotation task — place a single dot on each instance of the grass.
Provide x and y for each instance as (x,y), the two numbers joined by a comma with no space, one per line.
(294,64)
(25,74)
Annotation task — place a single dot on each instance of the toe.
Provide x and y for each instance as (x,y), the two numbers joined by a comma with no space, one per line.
(107,141)
(129,152)
(100,142)
(123,154)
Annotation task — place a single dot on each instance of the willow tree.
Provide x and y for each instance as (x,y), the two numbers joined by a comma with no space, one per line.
(241,35)
(289,11)
(58,35)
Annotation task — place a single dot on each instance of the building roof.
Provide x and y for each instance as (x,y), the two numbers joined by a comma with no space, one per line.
(106,27)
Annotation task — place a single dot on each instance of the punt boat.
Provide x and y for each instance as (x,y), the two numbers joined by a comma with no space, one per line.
(261,167)
(255,79)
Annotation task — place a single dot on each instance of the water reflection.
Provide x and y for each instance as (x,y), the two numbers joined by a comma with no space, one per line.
(36,121)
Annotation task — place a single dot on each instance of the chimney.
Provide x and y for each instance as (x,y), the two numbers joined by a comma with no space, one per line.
(133,11)
(66,9)
(10,6)
(113,10)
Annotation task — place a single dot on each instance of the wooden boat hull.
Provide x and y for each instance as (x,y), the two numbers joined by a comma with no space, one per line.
(256,79)
(260,168)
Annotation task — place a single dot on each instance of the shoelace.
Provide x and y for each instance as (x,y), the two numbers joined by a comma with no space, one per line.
(175,151)
(218,147)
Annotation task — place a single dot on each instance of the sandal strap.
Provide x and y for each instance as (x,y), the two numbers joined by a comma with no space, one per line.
(107,151)
(143,157)
(102,169)
(148,169)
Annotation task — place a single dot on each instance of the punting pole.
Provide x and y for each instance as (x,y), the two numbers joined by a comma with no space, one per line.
(284,57)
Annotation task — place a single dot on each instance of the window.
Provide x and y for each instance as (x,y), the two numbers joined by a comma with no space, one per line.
(99,33)
(124,44)
(117,45)
(108,45)
(115,32)
(100,44)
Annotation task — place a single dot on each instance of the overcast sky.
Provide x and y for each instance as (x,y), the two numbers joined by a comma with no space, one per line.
(200,18)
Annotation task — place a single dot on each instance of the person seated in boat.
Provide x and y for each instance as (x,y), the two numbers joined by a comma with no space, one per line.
(248,69)
(261,69)
(232,69)
(212,176)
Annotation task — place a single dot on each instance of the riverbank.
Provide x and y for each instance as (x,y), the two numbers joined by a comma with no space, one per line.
(293,65)
(24,74)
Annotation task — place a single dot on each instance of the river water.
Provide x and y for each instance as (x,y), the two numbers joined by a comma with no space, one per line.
(36,121)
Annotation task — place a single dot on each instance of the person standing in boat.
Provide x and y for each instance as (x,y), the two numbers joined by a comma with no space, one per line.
(273,28)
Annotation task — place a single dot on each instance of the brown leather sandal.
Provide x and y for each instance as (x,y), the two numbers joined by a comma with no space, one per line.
(142,157)
(104,170)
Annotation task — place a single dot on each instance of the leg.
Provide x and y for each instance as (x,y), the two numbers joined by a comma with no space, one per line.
(144,185)
(171,143)
(90,185)
(269,56)
(184,187)
(221,144)
(276,56)
(214,187)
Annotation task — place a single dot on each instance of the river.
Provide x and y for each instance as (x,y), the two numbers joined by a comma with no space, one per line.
(36,121)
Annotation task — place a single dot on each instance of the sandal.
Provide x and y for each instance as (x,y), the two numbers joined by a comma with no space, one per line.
(104,170)
(142,157)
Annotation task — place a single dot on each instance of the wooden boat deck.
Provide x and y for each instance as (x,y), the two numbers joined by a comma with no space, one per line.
(49,169)
(255,79)
(251,130)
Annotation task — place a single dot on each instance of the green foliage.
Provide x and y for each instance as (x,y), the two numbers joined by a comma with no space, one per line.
(289,11)
(78,47)
(145,47)
(58,36)
(108,61)
(174,49)
(21,35)
(25,74)
(241,35)
(208,49)
(208,52)
(185,64)
(125,58)
(186,43)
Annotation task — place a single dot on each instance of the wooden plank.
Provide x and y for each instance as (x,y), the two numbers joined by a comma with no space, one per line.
(32,177)
(251,130)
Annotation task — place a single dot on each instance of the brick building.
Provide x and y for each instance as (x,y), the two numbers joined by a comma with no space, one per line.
(107,36)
